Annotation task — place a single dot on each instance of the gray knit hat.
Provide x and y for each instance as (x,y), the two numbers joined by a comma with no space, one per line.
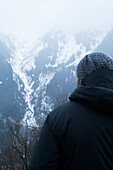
(92,62)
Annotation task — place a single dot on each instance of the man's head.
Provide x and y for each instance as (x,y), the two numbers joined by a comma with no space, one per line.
(91,63)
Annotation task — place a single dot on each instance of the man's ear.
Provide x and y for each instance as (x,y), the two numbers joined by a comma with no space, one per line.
(78,82)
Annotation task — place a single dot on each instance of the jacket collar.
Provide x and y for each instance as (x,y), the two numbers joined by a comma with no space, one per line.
(96,91)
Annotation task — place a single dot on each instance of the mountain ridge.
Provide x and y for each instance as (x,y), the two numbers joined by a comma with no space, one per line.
(46,68)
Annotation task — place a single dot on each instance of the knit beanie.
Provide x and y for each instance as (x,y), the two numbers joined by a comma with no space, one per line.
(91,63)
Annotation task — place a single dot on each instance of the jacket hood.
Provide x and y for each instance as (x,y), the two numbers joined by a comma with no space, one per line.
(96,91)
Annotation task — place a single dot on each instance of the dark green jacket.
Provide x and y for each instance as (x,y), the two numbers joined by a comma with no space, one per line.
(79,134)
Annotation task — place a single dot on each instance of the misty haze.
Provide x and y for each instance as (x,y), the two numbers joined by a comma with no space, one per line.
(41,43)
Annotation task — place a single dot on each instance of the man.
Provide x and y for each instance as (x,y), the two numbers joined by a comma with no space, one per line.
(79,134)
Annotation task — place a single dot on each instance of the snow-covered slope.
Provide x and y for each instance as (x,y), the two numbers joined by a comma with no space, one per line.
(46,68)
(106,45)
(22,60)
(12,104)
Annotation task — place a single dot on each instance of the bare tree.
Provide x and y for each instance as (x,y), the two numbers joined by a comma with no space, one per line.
(17,153)
(24,138)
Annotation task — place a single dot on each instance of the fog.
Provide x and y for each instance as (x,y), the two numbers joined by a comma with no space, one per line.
(30,18)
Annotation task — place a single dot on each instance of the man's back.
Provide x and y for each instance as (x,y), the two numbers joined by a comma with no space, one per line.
(79,134)
(86,140)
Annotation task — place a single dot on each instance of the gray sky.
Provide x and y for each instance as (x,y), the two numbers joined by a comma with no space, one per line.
(28,18)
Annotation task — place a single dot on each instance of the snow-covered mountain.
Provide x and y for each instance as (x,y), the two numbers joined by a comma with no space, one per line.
(106,45)
(10,98)
(40,71)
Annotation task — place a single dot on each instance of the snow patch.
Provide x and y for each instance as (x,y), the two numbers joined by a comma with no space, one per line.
(98,39)
(65,51)
(22,60)
(46,101)
(52,66)
(44,80)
